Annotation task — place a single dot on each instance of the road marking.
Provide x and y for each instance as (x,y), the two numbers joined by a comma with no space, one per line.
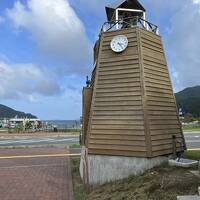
(35,141)
(192,136)
(27,141)
(32,140)
(195,149)
(40,156)
(18,141)
(62,140)
(192,141)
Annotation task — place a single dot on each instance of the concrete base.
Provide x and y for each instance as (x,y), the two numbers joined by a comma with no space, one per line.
(103,169)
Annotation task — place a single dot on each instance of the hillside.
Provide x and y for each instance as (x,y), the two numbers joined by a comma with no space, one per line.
(6,112)
(189,100)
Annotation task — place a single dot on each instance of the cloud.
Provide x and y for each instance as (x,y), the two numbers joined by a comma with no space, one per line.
(59,32)
(56,28)
(196,1)
(26,81)
(178,23)
(94,8)
(179,26)
(183,45)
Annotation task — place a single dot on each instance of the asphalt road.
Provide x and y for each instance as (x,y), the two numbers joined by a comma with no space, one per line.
(192,140)
(30,141)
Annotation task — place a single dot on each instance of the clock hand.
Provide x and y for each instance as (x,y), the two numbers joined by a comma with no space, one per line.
(120,44)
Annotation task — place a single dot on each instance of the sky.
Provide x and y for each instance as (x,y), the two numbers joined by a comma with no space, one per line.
(46,50)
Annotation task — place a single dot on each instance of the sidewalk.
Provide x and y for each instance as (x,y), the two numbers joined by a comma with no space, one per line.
(41,178)
(37,134)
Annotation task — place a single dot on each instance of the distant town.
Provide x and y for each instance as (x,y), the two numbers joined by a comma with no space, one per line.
(17,124)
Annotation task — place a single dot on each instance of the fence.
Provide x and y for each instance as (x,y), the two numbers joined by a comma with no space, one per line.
(130,22)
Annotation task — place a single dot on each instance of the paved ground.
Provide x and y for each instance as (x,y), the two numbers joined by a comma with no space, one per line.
(192,140)
(39,140)
(35,178)
(42,134)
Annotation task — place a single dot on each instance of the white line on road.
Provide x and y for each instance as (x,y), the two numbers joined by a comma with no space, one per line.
(192,136)
(24,141)
(192,141)
(50,140)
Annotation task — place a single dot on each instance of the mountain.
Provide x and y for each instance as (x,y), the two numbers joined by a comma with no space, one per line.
(6,112)
(189,100)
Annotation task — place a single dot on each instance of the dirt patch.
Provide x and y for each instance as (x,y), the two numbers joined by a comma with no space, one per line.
(160,183)
(164,183)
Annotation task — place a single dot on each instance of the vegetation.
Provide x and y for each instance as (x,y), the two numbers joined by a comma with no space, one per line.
(28,125)
(73,130)
(6,112)
(191,128)
(189,118)
(79,191)
(192,154)
(3,129)
(163,182)
(160,183)
(19,128)
(74,146)
(189,100)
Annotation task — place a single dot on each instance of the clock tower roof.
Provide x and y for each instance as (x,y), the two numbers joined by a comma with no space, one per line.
(126,4)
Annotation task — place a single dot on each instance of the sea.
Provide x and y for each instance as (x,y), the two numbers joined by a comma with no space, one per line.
(63,124)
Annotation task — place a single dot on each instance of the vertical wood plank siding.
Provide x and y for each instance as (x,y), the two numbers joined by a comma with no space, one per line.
(87,97)
(161,105)
(133,111)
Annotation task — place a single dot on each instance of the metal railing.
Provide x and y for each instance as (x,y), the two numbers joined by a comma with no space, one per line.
(130,22)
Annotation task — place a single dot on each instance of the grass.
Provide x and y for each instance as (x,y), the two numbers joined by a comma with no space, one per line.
(163,182)
(14,132)
(15,147)
(191,128)
(79,191)
(192,154)
(74,146)
(3,130)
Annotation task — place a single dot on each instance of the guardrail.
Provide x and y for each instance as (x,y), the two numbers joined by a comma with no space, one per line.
(130,22)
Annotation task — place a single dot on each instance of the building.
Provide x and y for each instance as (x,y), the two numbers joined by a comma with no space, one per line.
(14,122)
(130,118)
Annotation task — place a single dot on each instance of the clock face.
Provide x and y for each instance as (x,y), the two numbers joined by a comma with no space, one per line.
(119,43)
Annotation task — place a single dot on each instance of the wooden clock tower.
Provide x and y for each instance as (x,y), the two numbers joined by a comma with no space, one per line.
(130,120)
